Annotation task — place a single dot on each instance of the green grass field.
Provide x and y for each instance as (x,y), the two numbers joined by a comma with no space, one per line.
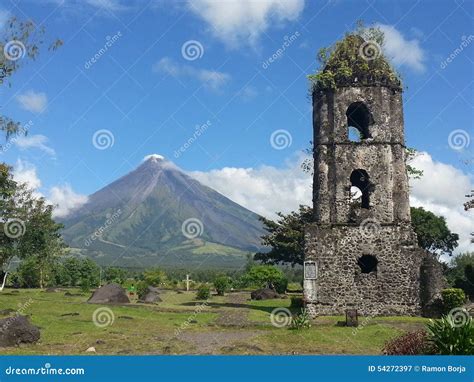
(232,324)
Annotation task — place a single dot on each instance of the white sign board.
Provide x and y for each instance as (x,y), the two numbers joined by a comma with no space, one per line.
(310,270)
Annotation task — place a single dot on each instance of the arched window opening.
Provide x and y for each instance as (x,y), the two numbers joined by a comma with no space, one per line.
(358,121)
(367,263)
(361,185)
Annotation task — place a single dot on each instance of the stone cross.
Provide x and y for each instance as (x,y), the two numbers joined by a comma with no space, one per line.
(187,282)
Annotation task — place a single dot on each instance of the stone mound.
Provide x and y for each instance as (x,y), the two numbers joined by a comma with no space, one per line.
(16,330)
(151,296)
(264,294)
(109,294)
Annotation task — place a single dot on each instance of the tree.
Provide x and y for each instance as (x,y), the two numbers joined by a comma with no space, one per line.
(154,277)
(285,237)
(221,284)
(19,41)
(41,239)
(432,232)
(265,276)
(460,273)
(115,275)
(27,228)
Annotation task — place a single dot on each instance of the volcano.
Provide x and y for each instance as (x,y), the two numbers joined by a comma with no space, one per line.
(159,215)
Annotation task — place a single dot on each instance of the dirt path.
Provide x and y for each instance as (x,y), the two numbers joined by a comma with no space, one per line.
(213,342)
(235,316)
(217,341)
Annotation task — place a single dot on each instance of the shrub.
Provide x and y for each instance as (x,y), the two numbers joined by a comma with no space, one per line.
(266,276)
(154,277)
(142,289)
(452,334)
(452,298)
(411,343)
(280,284)
(296,302)
(221,284)
(203,292)
(85,285)
(301,321)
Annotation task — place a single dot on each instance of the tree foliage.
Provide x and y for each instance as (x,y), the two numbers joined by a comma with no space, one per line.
(285,237)
(268,276)
(432,232)
(460,273)
(27,228)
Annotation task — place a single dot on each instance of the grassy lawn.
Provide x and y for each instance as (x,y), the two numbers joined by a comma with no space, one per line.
(229,324)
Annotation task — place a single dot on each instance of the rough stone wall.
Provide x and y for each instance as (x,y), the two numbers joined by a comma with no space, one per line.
(393,289)
(432,282)
(343,231)
(382,156)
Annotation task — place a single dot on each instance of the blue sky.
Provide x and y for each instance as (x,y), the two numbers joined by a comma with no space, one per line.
(150,96)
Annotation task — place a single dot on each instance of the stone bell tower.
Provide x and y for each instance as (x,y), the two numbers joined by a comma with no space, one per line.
(361,251)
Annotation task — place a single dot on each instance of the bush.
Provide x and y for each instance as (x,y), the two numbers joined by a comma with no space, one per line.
(296,302)
(411,343)
(301,320)
(85,285)
(221,284)
(452,334)
(203,292)
(266,276)
(115,275)
(28,273)
(142,289)
(154,277)
(452,298)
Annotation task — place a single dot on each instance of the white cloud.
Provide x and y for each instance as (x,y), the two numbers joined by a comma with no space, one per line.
(109,5)
(248,93)
(265,189)
(402,51)
(34,141)
(442,190)
(241,22)
(63,196)
(33,101)
(211,79)
(65,200)
(24,172)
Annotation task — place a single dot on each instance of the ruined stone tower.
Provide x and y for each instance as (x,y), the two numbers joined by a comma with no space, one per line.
(361,251)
